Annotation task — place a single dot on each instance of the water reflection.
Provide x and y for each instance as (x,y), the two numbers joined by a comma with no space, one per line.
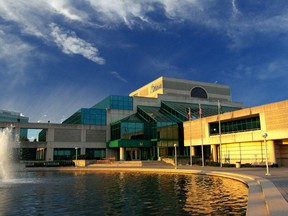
(120,193)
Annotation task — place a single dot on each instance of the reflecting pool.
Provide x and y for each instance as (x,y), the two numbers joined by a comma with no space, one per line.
(120,193)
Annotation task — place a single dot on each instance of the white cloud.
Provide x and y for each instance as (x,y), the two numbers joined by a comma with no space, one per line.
(33,16)
(14,55)
(64,8)
(71,44)
(118,76)
(265,71)
(28,16)
(116,12)
(234,8)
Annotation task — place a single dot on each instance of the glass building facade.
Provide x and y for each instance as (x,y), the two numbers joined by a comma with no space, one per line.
(10,116)
(97,114)
(70,153)
(149,131)
(236,126)
(159,127)
(88,116)
(116,102)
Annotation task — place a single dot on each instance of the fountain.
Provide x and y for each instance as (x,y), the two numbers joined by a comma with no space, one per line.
(6,151)
(114,193)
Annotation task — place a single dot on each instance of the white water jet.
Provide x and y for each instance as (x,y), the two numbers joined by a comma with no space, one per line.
(6,151)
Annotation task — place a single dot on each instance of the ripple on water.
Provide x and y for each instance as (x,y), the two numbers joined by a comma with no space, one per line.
(120,193)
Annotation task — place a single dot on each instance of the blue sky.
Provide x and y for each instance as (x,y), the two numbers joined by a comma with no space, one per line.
(58,56)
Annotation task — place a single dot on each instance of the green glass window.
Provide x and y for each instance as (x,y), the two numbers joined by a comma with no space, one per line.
(236,126)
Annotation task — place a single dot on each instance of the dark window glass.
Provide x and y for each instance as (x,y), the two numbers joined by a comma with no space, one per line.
(235,126)
(199,92)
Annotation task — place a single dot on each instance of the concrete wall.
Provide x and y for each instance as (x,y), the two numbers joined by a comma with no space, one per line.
(182,88)
(65,136)
(247,147)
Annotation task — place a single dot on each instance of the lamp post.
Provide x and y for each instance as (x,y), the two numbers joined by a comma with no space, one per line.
(264,135)
(76,149)
(175,146)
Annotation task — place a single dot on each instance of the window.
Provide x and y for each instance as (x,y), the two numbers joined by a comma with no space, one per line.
(199,92)
(236,126)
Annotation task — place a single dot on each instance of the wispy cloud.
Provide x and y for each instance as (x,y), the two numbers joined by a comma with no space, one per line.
(14,55)
(33,17)
(118,76)
(66,9)
(71,44)
(264,71)
(234,8)
(54,22)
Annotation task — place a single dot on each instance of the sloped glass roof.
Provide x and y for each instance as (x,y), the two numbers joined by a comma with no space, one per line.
(131,118)
(158,114)
(174,112)
(207,110)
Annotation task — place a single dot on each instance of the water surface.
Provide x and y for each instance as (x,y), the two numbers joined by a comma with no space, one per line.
(121,193)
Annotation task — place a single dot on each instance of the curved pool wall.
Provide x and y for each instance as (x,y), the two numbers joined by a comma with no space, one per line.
(263,197)
(118,192)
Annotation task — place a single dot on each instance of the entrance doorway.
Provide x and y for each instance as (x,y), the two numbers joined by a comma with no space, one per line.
(133,154)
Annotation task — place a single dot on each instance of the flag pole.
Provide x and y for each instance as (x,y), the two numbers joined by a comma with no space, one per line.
(202,148)
(220,132)
(190,137)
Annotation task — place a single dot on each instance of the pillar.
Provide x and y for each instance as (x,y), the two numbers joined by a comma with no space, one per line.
(271,151)
(49,154)
(214,153)
(122,154)
(82,151)
(192,150)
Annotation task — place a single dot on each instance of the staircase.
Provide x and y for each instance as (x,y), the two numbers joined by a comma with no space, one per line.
(156,164)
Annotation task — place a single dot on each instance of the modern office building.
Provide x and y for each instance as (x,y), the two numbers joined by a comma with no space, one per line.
(245,136)
(11,116)
(147,123)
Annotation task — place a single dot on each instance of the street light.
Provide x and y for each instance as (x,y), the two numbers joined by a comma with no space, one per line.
(264,135)
(175,146)
(76,149)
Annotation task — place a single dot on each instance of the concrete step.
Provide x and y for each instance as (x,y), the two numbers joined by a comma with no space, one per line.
(155,164)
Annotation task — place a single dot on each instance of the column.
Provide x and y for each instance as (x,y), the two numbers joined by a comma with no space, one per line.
(82,151)
(214,153)
(83,134)
(122,154)
(192,150)
(49,154)
(271,151)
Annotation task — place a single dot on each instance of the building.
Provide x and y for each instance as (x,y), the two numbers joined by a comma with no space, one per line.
(240,138)
(143,125)
(147,123)
(10,116)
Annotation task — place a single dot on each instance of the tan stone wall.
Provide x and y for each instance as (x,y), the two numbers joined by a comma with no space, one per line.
(248,146)
(276,119)
(150,90)
(248,152)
